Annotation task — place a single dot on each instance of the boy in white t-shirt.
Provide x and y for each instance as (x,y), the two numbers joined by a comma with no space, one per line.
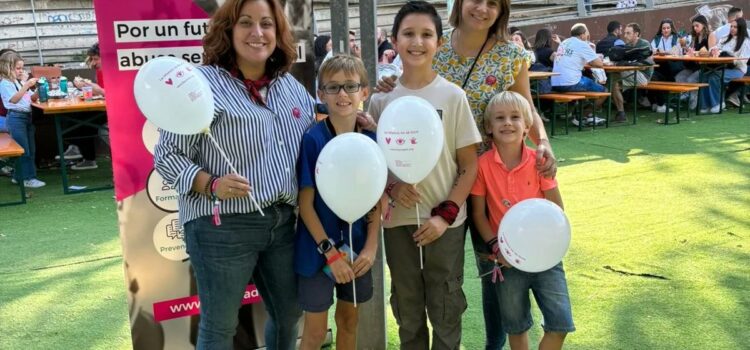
(573,54)
(437,289)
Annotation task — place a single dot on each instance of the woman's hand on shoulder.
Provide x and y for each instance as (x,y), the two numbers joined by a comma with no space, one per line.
(546,163)
(386,84)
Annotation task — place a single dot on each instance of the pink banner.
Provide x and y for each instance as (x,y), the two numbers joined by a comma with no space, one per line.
(189,306)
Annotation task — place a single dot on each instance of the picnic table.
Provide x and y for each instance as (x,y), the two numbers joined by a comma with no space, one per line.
(708,66)
(68,116)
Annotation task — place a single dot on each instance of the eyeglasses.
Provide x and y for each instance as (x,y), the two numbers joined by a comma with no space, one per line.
(334,89)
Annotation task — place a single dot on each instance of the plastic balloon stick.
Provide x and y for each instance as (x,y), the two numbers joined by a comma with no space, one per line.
(224,155)
(419,224)
(351,259)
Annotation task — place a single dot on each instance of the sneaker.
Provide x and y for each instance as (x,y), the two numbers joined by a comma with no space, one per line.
(85,165)
(644,102)
(734,100)
(574,121)
(714,109)
(33,183)
(746,100)
(6,171)
(620,117)
(662,109)
(71,153)
(13,181)
(693,101)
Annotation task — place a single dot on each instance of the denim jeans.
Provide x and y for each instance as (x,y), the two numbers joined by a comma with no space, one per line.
(22,130)
(493,329)
(225,257)
(714,88)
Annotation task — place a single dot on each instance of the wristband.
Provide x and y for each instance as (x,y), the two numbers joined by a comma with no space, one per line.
(390,187)
(448,210)
(217,202)
(491,244)
(333,258)
(207,188)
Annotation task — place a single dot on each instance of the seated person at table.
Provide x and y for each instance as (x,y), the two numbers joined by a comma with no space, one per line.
(665,41)
(543,49)
(614,30)
(737,44)
(701,39)
(86,145)
(573,54)
(632,37)
(722,32)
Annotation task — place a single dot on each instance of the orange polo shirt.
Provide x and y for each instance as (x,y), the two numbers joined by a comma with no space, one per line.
(503,188)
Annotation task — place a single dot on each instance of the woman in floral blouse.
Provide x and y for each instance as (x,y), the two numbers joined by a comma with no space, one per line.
(478,56)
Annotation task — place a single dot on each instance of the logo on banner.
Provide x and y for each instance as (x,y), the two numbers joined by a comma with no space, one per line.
(161,193)
(169,238)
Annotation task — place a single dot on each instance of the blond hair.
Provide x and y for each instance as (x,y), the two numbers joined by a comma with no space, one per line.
(8,62)
(348,64)
(512,99)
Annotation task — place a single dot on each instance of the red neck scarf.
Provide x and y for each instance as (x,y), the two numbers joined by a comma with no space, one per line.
(254,86)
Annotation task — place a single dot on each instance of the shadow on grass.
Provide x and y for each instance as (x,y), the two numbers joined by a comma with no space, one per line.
(84,298)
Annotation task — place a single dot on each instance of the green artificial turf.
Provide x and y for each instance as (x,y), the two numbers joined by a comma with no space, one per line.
(660,255)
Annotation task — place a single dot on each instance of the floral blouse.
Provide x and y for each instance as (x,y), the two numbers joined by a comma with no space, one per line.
(494,72)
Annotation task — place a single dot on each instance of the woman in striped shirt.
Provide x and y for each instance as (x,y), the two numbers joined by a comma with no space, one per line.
(260,115)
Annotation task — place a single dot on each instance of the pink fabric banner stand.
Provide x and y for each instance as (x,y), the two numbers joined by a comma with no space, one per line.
(162,299)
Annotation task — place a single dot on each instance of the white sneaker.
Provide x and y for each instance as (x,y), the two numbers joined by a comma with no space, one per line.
(71,153)
(734,100)
(33,183)
(714,109)
(662,109)
(644,102)
(574,121)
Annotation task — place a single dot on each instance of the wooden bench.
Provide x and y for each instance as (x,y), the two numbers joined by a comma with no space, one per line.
(556,98)
(10,149)
(590,95)
(671,90)
(744,81)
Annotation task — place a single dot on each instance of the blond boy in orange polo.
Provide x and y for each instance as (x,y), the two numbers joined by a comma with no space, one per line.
(506,176)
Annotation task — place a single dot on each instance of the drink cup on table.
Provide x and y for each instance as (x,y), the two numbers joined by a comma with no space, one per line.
(88,93)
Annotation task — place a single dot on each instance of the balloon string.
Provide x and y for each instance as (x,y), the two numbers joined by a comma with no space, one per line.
(351,259)
(224,155)
(419,224)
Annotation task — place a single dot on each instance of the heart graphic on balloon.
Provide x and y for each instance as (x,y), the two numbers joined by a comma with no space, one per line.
(168,81)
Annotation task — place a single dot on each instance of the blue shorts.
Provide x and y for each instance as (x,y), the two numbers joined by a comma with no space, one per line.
(550,292)
(585,84)
(315,294)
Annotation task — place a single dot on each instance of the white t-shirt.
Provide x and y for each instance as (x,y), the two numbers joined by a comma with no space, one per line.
(460,131)
(722,32)
(744,51)
(572,55)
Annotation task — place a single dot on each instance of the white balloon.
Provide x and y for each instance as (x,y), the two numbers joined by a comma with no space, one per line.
(410,133)
(174,95)
(534,235)
(350,175)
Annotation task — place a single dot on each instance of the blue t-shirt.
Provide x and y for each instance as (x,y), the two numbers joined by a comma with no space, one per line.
(307,260)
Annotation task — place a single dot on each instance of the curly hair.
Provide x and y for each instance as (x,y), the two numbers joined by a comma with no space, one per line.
(217,44)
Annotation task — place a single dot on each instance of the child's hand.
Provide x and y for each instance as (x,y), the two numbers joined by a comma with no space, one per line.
(430,231)
(341,270)
(405,194)
(386,84)
(29,83)
(366,121)
(364,261)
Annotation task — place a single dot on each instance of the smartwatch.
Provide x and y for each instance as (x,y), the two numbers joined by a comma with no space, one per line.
(325,246)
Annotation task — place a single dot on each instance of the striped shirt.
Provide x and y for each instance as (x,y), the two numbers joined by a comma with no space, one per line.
(261,141)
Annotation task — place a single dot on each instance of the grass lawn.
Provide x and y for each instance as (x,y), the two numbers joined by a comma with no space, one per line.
(660,257)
